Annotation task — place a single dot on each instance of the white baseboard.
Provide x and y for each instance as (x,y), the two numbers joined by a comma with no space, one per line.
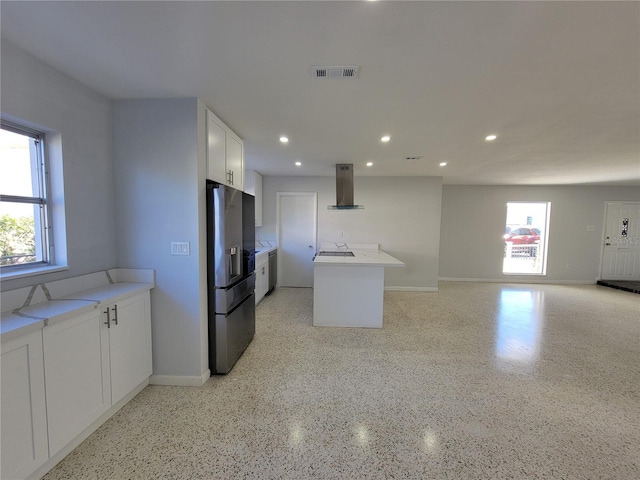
(411,289)
(518,280)
(180,380)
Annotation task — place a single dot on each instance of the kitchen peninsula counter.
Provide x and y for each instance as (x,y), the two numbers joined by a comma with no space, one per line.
(348,291)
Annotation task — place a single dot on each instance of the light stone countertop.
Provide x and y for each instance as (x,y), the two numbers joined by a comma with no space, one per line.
(362,258)
(30,317)
(264,250)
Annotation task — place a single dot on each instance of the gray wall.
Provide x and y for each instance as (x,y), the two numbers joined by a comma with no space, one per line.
(402,214)
(160,188)
(473,222)
(37,93)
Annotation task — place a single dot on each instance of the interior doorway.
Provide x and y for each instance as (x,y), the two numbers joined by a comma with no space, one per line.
(621,242)
(296,220)
(526,237)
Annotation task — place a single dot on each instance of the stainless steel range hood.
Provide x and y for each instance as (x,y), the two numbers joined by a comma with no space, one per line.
(344,188)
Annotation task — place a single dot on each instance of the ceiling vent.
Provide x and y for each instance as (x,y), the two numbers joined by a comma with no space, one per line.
(415,157)
(323,71)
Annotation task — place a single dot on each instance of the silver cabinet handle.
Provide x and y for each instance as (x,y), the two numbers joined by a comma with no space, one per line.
(108,322)
(115,314)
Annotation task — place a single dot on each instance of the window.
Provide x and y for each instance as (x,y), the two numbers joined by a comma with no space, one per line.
(525,240)
(25,234)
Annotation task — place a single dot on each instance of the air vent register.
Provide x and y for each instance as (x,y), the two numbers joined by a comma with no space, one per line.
(324,71)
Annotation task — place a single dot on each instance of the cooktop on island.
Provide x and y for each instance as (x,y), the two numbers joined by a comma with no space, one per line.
(336,254)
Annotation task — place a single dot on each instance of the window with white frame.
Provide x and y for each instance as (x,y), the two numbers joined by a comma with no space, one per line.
(25,230)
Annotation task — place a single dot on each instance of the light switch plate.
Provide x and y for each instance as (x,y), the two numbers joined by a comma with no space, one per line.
(180,248)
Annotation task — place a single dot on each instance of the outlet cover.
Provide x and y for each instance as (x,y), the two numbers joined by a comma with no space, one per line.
(591,228)
(180,248)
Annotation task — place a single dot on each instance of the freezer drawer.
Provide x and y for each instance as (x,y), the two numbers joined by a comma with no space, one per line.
(228,298)
(233,333)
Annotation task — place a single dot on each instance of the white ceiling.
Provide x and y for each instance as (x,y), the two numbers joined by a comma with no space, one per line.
(558,82)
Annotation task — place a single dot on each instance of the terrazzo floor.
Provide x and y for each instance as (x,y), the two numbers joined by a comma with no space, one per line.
(477,381)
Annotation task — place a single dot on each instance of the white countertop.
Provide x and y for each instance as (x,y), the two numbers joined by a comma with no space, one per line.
(264,250)
(37,315)
(362,258)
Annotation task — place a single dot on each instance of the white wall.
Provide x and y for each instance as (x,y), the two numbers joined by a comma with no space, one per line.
(160,194)
(402,214)
(37,93)
(473,223)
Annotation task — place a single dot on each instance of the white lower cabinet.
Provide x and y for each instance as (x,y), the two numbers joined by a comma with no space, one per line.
(262,277)
(129,343)
(23,422)
(78,385)
(92,361)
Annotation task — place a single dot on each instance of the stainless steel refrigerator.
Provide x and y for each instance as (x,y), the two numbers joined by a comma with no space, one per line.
(230,274)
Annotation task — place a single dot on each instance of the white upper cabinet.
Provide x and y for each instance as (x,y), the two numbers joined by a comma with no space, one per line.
(216,150)
(225,154)
(253,186)
(235,160)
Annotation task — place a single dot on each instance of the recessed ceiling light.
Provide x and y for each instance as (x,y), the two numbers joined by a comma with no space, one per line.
(385,139)
(369,164)
(489,138)
(442,164)
(284,139)
(298,164)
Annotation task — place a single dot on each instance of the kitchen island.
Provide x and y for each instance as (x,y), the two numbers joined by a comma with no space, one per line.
(348,291)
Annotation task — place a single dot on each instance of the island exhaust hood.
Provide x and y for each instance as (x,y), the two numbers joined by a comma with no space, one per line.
(344,188)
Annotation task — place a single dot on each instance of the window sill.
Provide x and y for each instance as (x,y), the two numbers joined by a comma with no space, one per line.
(29,272)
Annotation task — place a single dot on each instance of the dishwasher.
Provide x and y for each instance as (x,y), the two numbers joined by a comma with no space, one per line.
(273,271)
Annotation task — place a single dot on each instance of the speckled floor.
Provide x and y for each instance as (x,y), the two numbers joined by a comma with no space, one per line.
(478,381)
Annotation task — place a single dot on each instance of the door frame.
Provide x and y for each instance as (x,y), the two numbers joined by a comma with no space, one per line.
(279,196)
(604,231)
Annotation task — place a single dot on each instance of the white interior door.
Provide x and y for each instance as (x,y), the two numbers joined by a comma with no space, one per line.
(621,251)
(297,219)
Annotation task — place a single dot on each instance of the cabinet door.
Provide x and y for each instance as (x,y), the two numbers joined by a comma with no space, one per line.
(258,195)
(76,376)
(262,279)
(265,278)
(216,150)
(250,182)
(130,344)
(235,160)
(23,422)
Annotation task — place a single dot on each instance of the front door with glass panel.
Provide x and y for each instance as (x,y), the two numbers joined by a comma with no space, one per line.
(621,243)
